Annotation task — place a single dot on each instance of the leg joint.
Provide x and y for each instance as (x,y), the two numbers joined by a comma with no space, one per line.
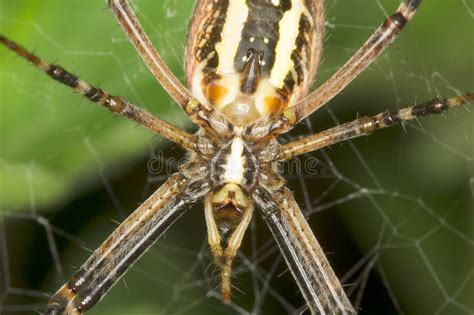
(60,74)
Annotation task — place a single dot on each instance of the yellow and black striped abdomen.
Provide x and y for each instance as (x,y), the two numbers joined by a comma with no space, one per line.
(251,58)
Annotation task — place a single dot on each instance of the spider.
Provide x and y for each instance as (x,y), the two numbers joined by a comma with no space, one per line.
(247,79)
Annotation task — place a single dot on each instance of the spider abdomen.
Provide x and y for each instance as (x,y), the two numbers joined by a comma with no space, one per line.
(253,58)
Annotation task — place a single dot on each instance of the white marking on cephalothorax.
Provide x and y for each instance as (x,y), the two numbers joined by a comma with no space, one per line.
(237,14)
(289,28)
(235,164)
(238,130)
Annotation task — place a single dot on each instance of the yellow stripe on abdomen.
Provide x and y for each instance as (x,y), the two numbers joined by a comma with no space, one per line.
(237,14)
(289,31)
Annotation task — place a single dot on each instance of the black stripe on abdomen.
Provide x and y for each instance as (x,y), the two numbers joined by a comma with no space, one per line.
(210,34)
(302,46)
(261,32)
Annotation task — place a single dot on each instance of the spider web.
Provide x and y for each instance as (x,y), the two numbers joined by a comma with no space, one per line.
(393,211)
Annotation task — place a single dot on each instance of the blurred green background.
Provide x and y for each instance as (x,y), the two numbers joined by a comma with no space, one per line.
(400,201)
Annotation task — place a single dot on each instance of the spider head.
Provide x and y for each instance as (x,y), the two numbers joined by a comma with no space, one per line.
(235,169)
(229,204)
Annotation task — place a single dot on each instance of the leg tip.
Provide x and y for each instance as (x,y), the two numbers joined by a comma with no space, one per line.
(226,297)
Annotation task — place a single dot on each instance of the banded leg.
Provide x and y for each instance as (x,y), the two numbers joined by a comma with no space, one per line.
(125,245)
(303,254)
(115,104)
(131,26)
(366,125)
(372,48)
(224,257)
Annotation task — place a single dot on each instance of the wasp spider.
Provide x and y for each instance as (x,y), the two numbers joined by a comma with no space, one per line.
(248,68)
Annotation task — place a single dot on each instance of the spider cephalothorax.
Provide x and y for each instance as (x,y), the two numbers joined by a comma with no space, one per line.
(234,168)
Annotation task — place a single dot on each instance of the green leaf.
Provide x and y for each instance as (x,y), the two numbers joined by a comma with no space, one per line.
(55,143)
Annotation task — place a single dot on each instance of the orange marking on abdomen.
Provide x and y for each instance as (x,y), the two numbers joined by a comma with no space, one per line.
(273,104)
(215,93)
